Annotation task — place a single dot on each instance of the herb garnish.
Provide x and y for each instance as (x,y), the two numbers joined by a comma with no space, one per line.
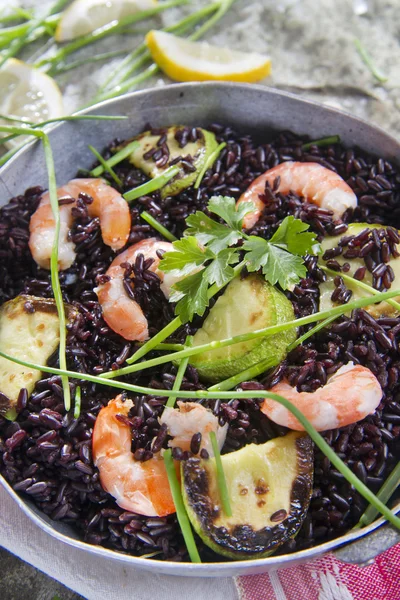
(222,486)
(312,432)
(209,248)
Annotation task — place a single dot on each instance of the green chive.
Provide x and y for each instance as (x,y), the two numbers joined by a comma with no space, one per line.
(153,185)
(266,332)
(367,60)
(246,375)
(158,227)
(55,281)
(223,488)
(326,141)
(173,325)
(116,158)
(360,284)
(105,165)
(310,333)
(208,164)
(181,513)
(11,414)
(78,400)
(385,493)
(179,376)
(57,69)
(108,29)
(315,436)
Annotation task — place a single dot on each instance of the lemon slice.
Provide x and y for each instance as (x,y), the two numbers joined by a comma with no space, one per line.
(84,16)
(183,60)
(29,94)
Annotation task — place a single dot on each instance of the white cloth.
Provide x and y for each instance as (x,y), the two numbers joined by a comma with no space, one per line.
(95,577)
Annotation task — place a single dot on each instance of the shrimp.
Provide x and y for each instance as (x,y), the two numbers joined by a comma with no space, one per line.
(190,419)
(120,312)
(351,394)
(108,205)
(140,487)
(143,487)
(315,183)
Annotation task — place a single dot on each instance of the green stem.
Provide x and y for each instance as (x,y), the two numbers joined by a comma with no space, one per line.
(78,401)
(173,325)
(310,333)
(240,395)
(208,164)
(168,347)
(367,60)
(12,119)
(105,165)
(128,65)
(179,376)
(55,281)
(326,141)
(222,487)
(246,375)
(181,513)
(64,68)
(385,493)
(116,158)
(260,368)
(223,8)
(153,185)
(109,29)
(266,332)
(158,227)
(32,33)
(360,284)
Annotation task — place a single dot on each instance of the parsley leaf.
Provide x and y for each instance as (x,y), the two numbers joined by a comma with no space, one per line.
(219,270)
(194,298)
(278,265)
(225,207)
(185,254)
(212,234)
(291,236)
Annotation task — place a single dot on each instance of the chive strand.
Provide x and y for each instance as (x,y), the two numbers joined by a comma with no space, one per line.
(169,329)
(158,227)
(360,284)
(312,432)
(153,185)
(179,376)
(221,480)
(240,395)
(78,402)
(116,158)
(108,29)
(266,332)
(181,513)
(55,281)
(326,141)
(246,375)
(367,60)
(64,68)
(208,164)
(105,166)
(310,333)
(384,494)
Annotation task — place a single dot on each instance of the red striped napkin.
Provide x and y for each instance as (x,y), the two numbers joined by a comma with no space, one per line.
(328,579)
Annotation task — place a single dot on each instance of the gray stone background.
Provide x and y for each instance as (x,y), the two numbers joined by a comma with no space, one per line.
(311,44)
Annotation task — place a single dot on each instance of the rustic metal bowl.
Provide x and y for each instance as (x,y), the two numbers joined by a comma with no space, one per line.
(250,109)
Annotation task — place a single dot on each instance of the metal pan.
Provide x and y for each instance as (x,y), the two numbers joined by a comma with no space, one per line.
(250,109)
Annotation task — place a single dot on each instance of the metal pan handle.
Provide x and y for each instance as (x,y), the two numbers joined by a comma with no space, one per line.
(363,551)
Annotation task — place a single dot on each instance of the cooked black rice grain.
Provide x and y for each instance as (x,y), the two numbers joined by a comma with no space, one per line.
(46,454)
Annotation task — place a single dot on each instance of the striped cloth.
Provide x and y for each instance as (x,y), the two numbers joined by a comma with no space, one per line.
(328,579)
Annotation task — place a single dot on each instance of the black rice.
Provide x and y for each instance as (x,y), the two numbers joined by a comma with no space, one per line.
(46,453)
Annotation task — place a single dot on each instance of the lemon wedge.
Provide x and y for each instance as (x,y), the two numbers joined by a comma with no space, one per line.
(28,94)
(183,60)
(85,16)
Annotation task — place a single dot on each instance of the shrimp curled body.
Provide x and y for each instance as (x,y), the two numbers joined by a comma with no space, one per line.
(315,183)
(351,394)
(122,313)
(143,487)
(108,205)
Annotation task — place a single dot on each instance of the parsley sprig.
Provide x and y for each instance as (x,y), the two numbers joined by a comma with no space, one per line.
(210,248)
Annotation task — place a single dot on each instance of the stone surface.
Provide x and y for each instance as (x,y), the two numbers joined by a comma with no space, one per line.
(20,581)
